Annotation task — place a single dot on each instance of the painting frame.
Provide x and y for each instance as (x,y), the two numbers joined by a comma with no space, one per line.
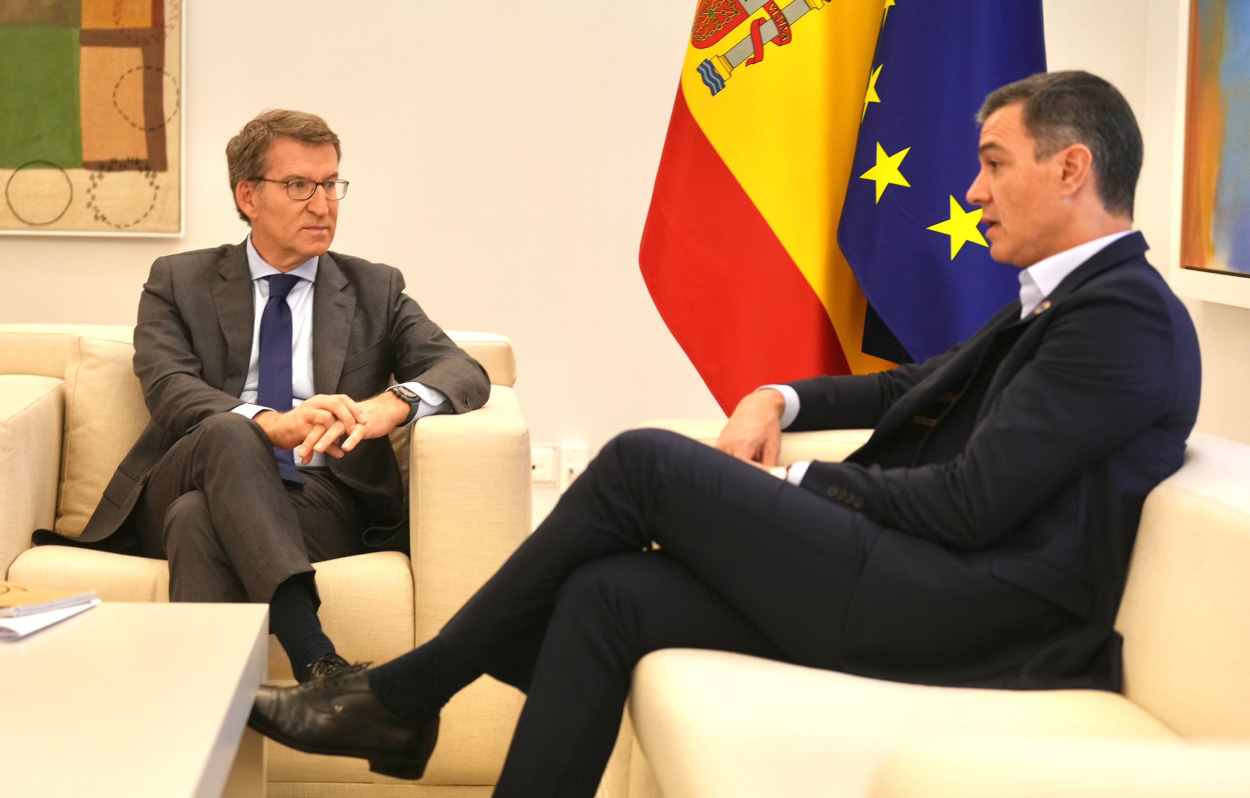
(1198,275)
(140,193)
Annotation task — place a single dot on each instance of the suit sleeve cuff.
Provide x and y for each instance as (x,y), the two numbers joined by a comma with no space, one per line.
(248,410)
(796,472)
(792,402)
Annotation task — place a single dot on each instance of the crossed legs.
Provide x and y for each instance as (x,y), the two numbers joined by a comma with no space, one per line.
(748,563)
(216,508)
(745,563)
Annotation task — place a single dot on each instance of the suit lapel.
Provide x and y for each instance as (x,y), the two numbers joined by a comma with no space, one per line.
(1127,248)
(953,376)
(334,304)
(232,294)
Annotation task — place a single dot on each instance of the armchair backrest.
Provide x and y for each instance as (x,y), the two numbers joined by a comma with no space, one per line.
(1186,610)
(48,349)
(104,411)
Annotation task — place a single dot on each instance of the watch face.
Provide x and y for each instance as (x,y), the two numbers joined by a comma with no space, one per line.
(405,394)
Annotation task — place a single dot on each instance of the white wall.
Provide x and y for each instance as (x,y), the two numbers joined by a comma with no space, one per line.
(502,155)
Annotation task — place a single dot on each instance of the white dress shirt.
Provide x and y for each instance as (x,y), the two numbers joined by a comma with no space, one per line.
(1036,283)
(300,301)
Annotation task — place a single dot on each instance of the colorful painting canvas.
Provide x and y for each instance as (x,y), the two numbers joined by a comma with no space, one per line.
(1215,233)
(91,116)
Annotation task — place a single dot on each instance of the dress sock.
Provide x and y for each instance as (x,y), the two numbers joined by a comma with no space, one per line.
(293,618)
(399,688)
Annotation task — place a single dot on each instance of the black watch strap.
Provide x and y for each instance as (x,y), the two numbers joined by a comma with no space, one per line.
(408,395)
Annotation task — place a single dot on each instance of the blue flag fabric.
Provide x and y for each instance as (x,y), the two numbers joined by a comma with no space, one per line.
(906,229)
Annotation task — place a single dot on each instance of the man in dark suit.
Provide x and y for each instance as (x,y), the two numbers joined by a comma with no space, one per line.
(980,537)
(258,355)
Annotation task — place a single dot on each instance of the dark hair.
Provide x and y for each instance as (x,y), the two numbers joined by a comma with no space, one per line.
(1075,107)
(246,152)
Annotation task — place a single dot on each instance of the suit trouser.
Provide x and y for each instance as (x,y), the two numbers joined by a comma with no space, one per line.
(231,529)
(747,563)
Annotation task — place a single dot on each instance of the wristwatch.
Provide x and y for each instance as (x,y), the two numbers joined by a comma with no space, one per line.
(409,396)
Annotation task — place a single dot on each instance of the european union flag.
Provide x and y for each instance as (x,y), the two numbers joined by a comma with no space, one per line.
(906,229)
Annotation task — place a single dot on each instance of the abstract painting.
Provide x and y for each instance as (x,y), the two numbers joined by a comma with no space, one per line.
(1215,226)
(91,116)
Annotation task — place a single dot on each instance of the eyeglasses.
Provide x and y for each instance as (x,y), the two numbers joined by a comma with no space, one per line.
(301,188)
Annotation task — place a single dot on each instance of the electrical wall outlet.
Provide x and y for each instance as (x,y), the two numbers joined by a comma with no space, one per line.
(545,465)
(573,460)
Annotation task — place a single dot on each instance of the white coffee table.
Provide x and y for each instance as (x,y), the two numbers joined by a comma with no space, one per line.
(135,700)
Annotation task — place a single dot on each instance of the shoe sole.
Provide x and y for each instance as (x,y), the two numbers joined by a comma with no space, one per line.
(409,766)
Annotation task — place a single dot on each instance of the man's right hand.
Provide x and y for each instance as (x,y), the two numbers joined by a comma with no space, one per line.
(315,416)
(753,432)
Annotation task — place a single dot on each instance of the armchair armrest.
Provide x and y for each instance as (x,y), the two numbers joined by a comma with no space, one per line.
(469,502)
(31,414)
(1044,768)
(831,445)
(469,494)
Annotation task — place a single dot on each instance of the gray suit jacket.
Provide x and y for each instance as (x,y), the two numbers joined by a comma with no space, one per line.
(194,339)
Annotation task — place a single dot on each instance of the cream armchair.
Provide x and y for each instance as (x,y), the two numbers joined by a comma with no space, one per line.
(1056,768)
(69,409)
(709,723)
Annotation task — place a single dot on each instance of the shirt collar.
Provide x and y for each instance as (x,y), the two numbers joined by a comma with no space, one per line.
(260,268)
(1043,277)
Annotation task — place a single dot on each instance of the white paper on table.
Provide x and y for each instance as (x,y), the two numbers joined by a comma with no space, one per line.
(15,628)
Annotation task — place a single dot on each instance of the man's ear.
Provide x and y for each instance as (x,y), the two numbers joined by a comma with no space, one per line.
(1076,168)
(245,198)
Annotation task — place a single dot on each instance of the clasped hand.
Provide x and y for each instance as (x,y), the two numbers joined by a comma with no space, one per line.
(332,424)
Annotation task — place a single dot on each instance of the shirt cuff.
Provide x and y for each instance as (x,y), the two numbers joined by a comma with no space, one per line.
(796,472)
(248,410)
(792,402)
(431,401)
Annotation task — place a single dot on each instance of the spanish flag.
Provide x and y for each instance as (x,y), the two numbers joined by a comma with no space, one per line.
(740,250)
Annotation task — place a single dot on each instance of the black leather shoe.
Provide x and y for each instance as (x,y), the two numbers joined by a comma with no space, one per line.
(329,666)
(341,716)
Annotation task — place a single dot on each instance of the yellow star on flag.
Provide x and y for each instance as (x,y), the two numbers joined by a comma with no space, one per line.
(888,5)
(871,95)
(961,227)
(885,172)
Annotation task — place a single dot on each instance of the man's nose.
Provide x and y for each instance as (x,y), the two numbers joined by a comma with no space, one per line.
(975,194)
(319,202)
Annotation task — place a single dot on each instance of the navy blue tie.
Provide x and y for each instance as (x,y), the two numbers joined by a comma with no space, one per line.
(275,363)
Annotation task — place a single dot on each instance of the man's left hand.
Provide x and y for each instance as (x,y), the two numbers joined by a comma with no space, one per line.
(374,418)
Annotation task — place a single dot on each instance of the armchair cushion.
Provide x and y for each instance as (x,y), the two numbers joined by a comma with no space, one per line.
(114,577)
(721,724)
(104,416)
(367,601)
(1042,768)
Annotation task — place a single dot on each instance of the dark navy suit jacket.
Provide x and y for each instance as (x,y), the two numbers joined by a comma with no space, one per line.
(1030,449)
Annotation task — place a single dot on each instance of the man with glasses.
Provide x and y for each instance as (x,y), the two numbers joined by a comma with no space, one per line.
(266,366)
